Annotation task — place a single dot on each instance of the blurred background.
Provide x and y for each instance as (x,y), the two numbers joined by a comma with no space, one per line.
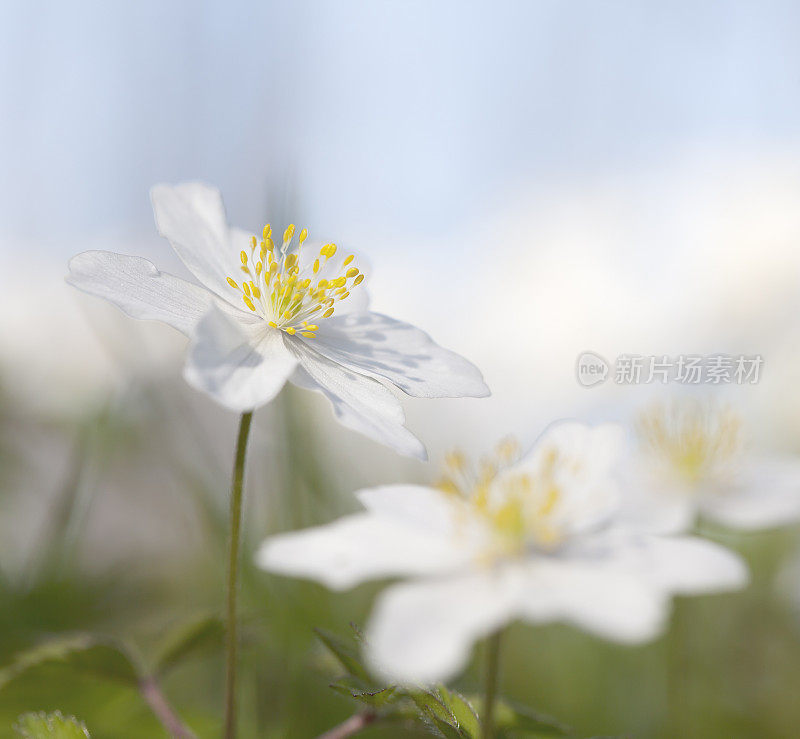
(528,180)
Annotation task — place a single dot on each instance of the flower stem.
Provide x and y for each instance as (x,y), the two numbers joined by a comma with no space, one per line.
(151,692)
(356,723)
(231,638)
(490,685)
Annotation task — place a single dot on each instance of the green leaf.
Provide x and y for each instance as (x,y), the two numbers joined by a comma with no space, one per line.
(431,707)
(50,726)
(101,658)
(196,636)
(450,732)
(462,710)
(518,721)
(346,654)
(355,688)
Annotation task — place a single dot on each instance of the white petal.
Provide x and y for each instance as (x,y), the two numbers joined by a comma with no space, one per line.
(585,472)
(414,505)
(191,217)
(766,495)
(359,403)
(379,346)
(652,507)
(423,632)
(139,289)
(241,365)
(358,548)
(596,449)
(610,601)
(689,566)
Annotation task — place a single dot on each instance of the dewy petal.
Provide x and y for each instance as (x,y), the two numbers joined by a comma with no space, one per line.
(422,632)
(379,346)
(359,403)
(687,565)
(766,494)
(357,548)
(607,600)
(241,365)
(137,287)
(191,217)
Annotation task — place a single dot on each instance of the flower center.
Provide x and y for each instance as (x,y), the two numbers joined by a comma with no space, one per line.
(694,442)
(520,508)
(290,291)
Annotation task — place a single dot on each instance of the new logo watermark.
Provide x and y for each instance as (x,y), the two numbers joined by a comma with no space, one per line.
(686,369)
(591,369)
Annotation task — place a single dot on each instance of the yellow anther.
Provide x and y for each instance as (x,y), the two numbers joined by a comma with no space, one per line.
(253,242)
(312,326)
(328,251)
(272,324)
(256,291)
(328,313)
(358,280)
(243,256)
(232,283)
(287,314)
(303,235)
(259,267)
(304,283)
(265,234)
(288,233)
(291,260)
(322,284)
(349,259)
(308,334)
(244,269)
(290,331)
(352,272)
(344,295)
(248,303)
(339,282)
(316,266)
(246,288)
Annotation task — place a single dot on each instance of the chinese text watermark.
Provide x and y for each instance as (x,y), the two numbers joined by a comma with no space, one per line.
(686,369)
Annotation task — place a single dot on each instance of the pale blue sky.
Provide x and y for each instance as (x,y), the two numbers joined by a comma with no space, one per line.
(396,116)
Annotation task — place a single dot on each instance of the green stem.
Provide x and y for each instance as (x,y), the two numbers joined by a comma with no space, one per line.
(231,638)
(490,686)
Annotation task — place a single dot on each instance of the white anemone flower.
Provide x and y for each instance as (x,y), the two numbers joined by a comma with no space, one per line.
(691,461)
(266,313)
(531,538)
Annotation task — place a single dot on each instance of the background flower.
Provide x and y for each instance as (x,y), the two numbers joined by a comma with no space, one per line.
(691,459)
(532,539)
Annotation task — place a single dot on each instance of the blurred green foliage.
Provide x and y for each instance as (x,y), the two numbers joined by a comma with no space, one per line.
(728,667)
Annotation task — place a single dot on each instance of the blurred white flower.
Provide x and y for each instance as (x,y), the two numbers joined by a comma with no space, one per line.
(265,315)
(691,461)
(531,538)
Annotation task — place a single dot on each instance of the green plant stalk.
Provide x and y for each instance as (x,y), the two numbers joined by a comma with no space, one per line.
(490,685)
(231,636)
